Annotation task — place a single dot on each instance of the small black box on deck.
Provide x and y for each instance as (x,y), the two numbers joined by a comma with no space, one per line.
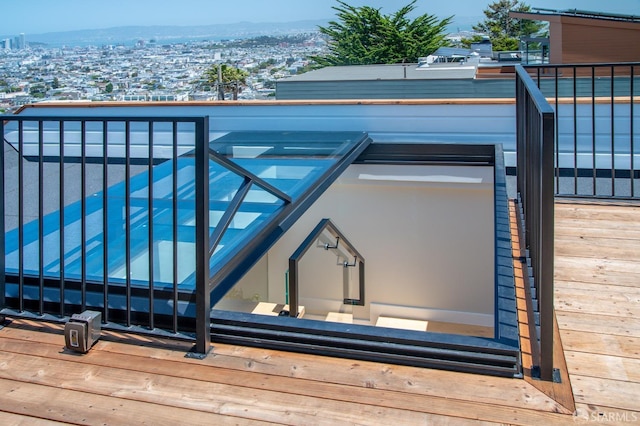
(82,331)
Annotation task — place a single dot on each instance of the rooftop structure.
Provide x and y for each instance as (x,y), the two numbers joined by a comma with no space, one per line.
(395,195)
(452,80)
(577,36)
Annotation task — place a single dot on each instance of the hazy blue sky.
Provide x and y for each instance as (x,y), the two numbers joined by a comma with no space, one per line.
(40,16)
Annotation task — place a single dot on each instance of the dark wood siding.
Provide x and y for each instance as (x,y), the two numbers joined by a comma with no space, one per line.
(396,89)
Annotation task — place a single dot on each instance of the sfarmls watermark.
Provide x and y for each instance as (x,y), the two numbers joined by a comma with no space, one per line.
(614,417)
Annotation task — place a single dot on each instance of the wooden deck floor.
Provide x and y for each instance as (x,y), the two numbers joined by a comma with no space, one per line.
(125,380)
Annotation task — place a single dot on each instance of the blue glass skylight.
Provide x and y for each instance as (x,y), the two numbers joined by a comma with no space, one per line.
(291,162)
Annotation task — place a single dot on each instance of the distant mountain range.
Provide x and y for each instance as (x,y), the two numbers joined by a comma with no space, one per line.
(175,34)
(171,34)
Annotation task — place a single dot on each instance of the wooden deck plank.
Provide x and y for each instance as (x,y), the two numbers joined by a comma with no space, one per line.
(604,324)
(612,304)
(607,245)
(606,392)
(63,405)
(591,216)
(598,212)
(195,395)
(423,382)
(486,389)
(605,229)
(585,276)
(433,408)
(604,366)
(596,289)
(597,298)
(603,344)
(321,386)
(592,414)
(598,264)
(22,420)
(595,248)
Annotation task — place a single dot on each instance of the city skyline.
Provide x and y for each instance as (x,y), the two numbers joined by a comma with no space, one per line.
(43,16)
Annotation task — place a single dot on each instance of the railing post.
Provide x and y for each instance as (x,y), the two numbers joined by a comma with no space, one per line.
(536,178)
(293,288)
(203,296)
(545,280)
(2,230)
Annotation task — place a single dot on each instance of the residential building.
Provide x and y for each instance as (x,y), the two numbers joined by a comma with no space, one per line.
(578,36)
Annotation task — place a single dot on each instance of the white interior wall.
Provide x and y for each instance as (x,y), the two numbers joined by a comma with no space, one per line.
(427,235)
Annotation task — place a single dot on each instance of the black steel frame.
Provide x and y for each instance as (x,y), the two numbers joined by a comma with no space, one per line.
(535,120)
(498,356)
(610,83)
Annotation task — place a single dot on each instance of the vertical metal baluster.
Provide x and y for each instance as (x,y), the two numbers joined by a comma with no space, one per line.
(40,217)
(21,215)
(175,225)
(613,152)
(105,221)
(127,213)
(631,129)
(575,132)
(557,133)
(593,128)
(83,203)
(2,224)
(61,232)
(151,241)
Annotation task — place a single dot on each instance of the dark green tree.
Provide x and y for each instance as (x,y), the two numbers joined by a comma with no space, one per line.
(504,31)
(232,77)
(364,35)
(108,88)
(56,83)
(38,91)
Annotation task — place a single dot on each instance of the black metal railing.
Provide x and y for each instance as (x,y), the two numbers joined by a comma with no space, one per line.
(72,238)
(343,249)
(597,134)
(535,137)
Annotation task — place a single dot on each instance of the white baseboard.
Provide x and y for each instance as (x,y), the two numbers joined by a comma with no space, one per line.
(427,314)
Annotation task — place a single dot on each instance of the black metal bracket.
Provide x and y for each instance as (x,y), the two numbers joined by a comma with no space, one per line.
(536,374)
(346,263)
(328,246)
(194,354)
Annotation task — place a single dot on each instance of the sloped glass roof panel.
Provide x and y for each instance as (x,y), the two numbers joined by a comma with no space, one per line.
(290,161)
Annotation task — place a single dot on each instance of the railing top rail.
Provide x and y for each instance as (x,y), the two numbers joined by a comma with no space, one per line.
(534,92)
(586,65)
(76,118)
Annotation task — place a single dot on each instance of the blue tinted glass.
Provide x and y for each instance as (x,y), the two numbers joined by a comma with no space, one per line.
(291,162)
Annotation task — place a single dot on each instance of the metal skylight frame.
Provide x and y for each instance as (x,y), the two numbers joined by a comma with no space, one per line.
(499,355)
